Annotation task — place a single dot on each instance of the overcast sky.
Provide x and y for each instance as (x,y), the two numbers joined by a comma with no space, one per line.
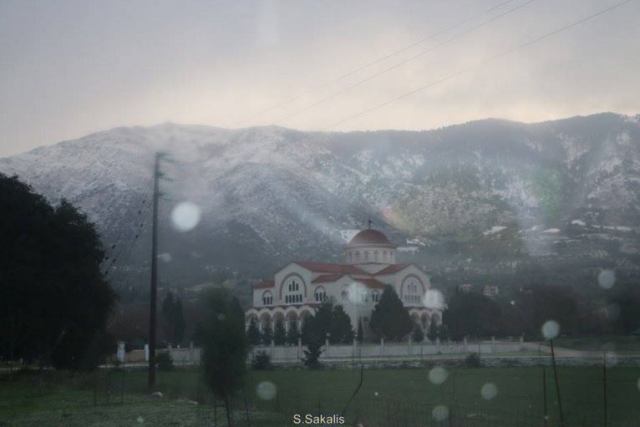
(68,68)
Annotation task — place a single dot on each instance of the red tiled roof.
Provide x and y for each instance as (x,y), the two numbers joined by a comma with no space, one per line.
(327,278)
(394,268)
(370,282)
(319,267)
(370,237)
(264,284)
(367,280)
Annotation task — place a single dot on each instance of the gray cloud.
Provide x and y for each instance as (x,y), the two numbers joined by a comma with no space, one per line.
(72,67)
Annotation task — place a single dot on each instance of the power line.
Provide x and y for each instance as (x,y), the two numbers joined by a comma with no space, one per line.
(407,60)
(483,62)
(384,57)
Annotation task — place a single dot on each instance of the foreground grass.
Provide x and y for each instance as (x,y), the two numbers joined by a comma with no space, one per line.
(388,397)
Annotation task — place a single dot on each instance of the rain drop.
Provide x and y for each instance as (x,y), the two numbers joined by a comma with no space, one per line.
(550,329)
(266,390)
(185,216)
(440,413)
(488,391)
(606,279)
(438,375)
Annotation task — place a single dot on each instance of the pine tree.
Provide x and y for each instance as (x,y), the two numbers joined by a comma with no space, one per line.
(313,338)
(279,333)
(433,330)
(341,332)
(417,335)
(267,335)
(173,318)
(178,321)
(293,335)
(253,333)
(224,346)
(390,319)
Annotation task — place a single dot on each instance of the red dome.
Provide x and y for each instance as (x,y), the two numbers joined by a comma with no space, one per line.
(370,237)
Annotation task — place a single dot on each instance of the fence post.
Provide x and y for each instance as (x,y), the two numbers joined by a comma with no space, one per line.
(381,346)
(544,397)
(555,376)
(328,348)
(604,386)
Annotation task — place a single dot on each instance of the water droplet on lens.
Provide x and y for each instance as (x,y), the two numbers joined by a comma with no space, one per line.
(266,390)
(550,329)
(185,216)
(606,279)
(489,391)
(438,375)
(440,413)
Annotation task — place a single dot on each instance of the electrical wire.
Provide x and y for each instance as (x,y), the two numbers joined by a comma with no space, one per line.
(406,61)
(483,62)
(382,58)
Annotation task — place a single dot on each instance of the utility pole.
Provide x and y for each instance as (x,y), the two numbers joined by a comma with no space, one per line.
(154,274)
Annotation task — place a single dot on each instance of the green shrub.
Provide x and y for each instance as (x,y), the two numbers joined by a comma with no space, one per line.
(164,362)
(261,361)
(472,361)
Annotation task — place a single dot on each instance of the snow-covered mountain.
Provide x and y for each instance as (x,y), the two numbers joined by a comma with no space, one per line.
(490,190)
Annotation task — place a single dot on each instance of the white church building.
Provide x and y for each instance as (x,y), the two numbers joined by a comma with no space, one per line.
(357,284)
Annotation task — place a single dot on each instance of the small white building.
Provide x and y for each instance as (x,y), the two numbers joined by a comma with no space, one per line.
(370,264)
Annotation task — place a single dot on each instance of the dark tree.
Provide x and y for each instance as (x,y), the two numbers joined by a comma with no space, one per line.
(313,338)
(341,331)
(293,335)
(279,333)
(360,334)
(224,346)
(253,333)
(173,318)
(179,321)
(443,332)
(317,328)
(390,319)
(548,302)
(417,335)
(54,299)
(433,330)
(473,315)
(267,335)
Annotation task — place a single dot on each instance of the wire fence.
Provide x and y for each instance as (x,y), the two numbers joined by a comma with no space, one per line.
(589,397)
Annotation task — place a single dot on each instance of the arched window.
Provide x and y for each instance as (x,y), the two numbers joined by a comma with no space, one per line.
(320,294)
(412,291)
(375,256)
(267,298)
(293,290)
(375,296)
(366,255)
(357,255)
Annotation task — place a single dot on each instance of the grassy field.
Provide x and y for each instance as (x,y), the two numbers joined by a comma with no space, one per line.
(388,397)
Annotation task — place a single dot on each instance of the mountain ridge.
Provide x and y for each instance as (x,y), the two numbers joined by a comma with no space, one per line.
(269,194)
